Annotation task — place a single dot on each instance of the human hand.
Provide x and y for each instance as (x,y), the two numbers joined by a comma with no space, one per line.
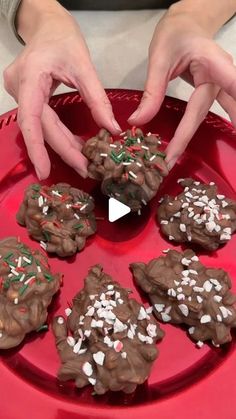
(55,53)
(182,47)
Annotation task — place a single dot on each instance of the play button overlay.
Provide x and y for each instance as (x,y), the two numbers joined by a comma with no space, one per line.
(116,210)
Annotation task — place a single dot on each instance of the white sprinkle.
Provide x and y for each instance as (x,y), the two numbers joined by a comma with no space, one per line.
(199,299)
(192,282)
(159,307)
(164,222)
(220,197)
(198,289)
(60,320)
(165,250)
(43,245)
(171,237)
(227,230)
(28,280)
(185,205)
(184,309)
(219,318)
(141,337)
(113,145)
(224,204)
(180,180)
(118,345)
(40,201)
(45,210)
(189,238)
(199,344)
(39,268)
(90,311)
(195,259)
(225,236)
(191,214)
(180,289)
(144,202)
(119,326)
(207,286)
(185,272)
(138,164)
(26,259)
(152,158)
(16,300)
(83,207)
(124,355)
(99,357)
(180,297)
(165,317)
(182,228)
(77,346)
(185,261)
(142,314)
(151,330)
(81,318)
(199,204)
(92,381)
(130,334)
(210,226)
(177,214)
(217,298)
(103,154)
(144,147)
(224,311)
(171,292)
(191,330)
(68,311)
(108,341)
(70,340)
(218,287)
(56,193)
(87,333)
(133,174)
(149,310)
(23,277)
(206,318)
(87,369)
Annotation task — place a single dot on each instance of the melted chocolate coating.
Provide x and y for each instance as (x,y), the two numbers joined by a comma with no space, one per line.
(198,215)
(112,337)
(183,290)
(60,217)
(26,290)
(130,168)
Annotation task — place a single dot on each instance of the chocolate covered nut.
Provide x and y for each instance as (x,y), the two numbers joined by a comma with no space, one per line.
(183,290)
(108,339)
(131,168)
(60,217)
(198,215)
(27,286)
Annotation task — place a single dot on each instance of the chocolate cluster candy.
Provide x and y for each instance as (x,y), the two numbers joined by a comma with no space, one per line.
(111,340)
(131,168)
(27,286)
(60,217)
(183,290)
(199,215)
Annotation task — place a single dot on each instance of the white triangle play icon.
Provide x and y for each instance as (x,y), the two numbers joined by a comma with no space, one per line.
(116,210)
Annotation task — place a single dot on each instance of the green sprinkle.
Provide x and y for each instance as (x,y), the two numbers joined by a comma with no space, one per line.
(16,279)
(161,154)
(48,277)
(22,289)
(42,328)
(36,187)
(8,255)
(24,250)
(46,235)
(114,157)
(37,262)
(78,226)
(6,284)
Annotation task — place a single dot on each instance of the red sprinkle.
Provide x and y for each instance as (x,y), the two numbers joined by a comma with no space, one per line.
(42,223)
(23,309)
(45,195)
(76,206)
(20,269)
(57,224)
(133,129)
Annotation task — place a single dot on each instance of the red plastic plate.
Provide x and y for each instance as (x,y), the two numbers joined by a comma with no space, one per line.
(185,382)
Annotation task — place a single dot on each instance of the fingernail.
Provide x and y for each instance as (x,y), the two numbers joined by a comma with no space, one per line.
(82,173)
(134,115)
(115,124)
(39,176)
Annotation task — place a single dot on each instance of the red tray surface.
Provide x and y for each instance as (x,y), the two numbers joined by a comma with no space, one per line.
(185,382)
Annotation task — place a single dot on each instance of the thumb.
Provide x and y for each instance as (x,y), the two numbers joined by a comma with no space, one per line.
(154,93)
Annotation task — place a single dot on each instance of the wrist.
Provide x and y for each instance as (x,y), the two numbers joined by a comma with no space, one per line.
(33,14)
(216,12)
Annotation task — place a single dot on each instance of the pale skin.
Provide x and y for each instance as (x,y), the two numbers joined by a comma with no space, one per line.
(182,45)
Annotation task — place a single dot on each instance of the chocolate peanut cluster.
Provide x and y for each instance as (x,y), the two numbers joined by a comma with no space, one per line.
(27,286)
(108,339)
(131,168)
(198,215)
(60,217)
(183,290)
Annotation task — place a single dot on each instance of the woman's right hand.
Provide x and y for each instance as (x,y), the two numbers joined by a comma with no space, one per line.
(55,53)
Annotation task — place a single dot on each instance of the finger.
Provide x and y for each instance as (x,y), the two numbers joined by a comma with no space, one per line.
(196,110)
(153,95)
(33,92)
(93,93)
(220,71)
(62,141)
(228,104)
